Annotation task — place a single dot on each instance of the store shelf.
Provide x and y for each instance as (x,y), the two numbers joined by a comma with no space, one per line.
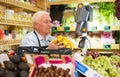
(65,28)
(15,22)
(104,28)
(60,28)
(105,52)
(91,28)
(62,2)
(92,1)
(76,1)
(105,47)
(13,4)
(10,42)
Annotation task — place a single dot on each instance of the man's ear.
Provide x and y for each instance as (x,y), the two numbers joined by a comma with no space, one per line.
(35,24)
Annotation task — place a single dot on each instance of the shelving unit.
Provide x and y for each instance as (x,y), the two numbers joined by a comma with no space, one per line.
(108,47)
(104,28)
(60,28)
(90,28)
(10,42)
(76,1)
(105,47)
(16,4)
(30,8)
(5,21)
(98,28)
(111,47)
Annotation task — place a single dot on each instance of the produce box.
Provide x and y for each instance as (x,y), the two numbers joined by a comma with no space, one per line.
(45,67)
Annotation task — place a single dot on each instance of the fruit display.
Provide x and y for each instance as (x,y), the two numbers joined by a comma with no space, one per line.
(64,40)
(102,65)
(52,71)
(14,67)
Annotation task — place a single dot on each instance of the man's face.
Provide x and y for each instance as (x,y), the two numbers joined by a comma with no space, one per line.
(44,24)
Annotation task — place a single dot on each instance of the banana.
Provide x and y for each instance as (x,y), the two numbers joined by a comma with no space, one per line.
(66,42)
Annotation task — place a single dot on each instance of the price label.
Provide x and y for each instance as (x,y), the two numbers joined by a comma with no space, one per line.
(94,28)
(80,67)
(107,28)
(67,29)
(107,47)
(54,29)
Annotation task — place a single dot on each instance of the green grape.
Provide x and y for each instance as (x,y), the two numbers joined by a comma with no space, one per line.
(89,64)
(118,75)
(106,74)
(118,70)
(102,65)
(93,63)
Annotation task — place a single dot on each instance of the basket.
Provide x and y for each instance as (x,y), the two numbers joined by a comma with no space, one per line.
(41,50)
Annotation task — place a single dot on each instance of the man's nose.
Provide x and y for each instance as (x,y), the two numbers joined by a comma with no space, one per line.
(51,24)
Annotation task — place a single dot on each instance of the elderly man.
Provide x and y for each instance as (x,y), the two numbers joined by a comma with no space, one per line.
(40,36)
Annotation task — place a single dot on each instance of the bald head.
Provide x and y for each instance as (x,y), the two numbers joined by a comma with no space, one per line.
(38,15)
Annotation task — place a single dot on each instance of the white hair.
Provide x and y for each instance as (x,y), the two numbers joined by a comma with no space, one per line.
(38,15)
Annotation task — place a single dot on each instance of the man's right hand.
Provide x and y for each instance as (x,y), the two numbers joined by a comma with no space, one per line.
(55,46)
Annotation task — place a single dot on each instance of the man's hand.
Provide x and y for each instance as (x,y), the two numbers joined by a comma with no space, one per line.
(55,46)
(60,45)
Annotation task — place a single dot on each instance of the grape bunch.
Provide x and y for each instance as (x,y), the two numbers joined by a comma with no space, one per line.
(102,65)
(93,54)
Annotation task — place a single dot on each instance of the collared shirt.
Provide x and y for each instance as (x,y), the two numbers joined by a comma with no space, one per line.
(31,40)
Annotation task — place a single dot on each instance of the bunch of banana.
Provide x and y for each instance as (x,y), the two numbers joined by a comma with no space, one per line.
(66,42)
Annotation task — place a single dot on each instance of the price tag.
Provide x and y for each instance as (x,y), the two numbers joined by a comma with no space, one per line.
(80,67)
(94,28)
(66,29)
(107,47)
(54,29)
(107,28)
(85,70)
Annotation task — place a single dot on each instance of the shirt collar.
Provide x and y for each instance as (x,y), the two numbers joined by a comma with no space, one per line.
(41,38)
